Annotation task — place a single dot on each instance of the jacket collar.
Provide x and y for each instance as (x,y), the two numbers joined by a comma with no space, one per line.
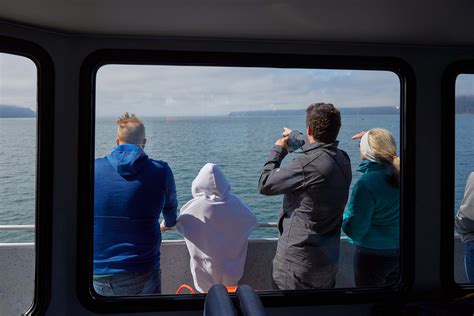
(367,165)
(130,148)
(310,147)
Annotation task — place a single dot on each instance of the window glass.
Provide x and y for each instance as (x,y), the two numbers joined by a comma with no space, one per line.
(232,117)
(18,82)
(464,180)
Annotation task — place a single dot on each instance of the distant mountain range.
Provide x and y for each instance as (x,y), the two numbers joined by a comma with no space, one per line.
(464,105)
(380,110)
(11,111)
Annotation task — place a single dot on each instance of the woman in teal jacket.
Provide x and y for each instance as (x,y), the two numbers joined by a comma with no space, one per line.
(372,218)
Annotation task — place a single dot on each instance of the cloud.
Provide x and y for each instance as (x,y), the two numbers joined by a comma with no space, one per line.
(465,84)
(193,90)
(18,81)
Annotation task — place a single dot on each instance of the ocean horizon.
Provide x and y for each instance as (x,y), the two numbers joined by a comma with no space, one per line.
(239,145)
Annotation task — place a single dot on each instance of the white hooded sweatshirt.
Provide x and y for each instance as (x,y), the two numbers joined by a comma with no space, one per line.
(216,225)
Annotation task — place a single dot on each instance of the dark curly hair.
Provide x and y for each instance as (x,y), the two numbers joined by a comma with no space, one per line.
(324,120)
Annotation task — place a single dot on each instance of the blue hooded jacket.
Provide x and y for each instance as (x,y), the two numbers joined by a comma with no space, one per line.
(131,191)
(372,218)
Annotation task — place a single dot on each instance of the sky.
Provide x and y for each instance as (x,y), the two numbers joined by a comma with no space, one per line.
(465,84)
(204,91)
(17,81)
(191,90)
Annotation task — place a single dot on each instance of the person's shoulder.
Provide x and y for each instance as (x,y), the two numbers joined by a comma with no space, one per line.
(374,179)
(364,184)
(305,160)
(324,153)
(311,154)
(369,178)
(344,154)
(470,178)
(100,161)
(101,166)
(313,159)
(470,182)
(160,164)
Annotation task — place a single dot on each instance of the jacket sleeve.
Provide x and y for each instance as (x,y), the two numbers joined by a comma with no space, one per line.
(275,180)
(464,220)
(170,207)
(357,218)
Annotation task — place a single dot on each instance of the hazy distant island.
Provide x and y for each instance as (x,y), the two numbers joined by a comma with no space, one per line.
(378,110)
(11,111)
(464,105)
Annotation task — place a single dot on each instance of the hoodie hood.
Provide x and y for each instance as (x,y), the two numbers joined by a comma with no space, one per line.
(211,182)
(128,159)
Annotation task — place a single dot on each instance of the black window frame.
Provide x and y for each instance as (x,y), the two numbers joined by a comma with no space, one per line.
(448,126)
(44,165)
(97,59)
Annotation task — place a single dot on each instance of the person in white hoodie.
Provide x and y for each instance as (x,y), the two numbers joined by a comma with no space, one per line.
(216,225)
(465,226)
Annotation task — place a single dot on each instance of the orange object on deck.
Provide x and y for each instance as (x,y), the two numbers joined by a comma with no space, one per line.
(230,289)
(187,287)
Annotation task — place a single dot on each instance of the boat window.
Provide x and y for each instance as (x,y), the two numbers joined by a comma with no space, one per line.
(18,139)
(464,180)
(231,117)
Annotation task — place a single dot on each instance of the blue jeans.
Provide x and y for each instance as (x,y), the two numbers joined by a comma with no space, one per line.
(469,260)
(124,284)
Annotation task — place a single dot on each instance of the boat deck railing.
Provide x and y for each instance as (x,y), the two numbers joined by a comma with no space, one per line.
(22,227)
(17,227)
(5,228)
(18,259)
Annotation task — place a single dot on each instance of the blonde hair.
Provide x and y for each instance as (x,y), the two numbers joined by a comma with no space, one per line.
(384,149)
(130,130)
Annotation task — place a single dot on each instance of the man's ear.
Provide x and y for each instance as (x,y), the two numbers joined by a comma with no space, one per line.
(117,141)
(309,131)
(144,142)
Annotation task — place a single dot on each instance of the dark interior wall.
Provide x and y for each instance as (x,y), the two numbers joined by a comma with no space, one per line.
(68,52)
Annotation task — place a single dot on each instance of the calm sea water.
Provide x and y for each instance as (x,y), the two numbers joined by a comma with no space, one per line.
(239,146)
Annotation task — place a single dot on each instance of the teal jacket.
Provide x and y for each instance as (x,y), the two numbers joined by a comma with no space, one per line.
(372,218)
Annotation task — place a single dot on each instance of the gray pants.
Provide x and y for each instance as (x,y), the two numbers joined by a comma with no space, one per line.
(124,284)
(288,275)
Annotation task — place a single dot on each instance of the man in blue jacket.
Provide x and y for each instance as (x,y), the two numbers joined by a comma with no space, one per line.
(131,190)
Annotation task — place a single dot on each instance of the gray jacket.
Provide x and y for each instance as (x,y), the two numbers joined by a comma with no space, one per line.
(465,217)
(315,187)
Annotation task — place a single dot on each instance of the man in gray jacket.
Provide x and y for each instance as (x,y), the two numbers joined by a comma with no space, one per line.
(465,226)
(315,187)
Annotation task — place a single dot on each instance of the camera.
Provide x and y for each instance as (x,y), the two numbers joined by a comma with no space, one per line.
(296,140)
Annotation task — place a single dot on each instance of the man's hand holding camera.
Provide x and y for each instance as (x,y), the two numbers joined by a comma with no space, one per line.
(283,141)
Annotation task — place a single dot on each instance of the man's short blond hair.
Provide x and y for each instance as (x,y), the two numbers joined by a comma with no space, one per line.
(130,130)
